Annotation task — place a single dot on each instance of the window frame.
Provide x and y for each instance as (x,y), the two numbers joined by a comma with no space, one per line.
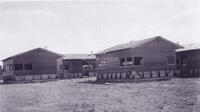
(66,66)
(121,63)
(141,61)
(128,62)
(15,66)
(25,67)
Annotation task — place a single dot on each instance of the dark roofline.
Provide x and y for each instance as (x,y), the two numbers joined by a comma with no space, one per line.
(59,55)
(142,42)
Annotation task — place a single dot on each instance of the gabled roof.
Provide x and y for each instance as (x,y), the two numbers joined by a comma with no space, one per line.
(135,44)
(189,47)
(79,56)
(59,55)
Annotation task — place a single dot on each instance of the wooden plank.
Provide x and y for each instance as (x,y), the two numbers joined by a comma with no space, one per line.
(171,73)
(155,74)
(163,73)
(147,74)
(52,76)
(28,78)
(118,75)
(104,75)
(123,75)
(37,77)
(19,78)
(44,77)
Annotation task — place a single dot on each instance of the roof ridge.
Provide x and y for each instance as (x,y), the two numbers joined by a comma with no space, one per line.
(31,51)
(134,44)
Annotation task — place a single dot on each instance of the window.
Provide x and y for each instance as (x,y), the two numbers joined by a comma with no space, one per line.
(183,61)
(66,66)
(28,66)
(122,62)
(19,67)
(137,60)
(170,60)
(129,61)
(4,68)
(85,65)
(88,65)
(178,61)
(10,67)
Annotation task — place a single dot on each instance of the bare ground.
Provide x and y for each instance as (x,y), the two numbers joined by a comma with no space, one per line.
(176,95)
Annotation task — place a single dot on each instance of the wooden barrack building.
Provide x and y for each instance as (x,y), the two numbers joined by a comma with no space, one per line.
(149,58)
(36,64)
(188,60)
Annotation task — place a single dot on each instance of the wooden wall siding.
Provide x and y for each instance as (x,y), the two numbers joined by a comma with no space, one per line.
(150,57)
(155,63)
(154,55)
(39,68)
(59,63)
(43,63)
(7,63)
(75,66)
(193,63)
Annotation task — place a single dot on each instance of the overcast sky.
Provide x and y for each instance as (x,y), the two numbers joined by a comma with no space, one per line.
(82,27)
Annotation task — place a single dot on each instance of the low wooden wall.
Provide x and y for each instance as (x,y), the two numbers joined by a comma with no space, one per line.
(192,72)
(35,77)
(132,75)
(71,75)
(76,75)
(43,77)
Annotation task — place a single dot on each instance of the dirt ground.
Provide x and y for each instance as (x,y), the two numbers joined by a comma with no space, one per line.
(76,95)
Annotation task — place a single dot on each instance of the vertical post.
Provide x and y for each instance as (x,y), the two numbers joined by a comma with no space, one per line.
(158,73)
(166,73)
(151,74)
(107,75)
(120,75)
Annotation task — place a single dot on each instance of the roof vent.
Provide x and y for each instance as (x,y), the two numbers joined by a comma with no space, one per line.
(177,42)
(131,41)
(91,52)
(45,47)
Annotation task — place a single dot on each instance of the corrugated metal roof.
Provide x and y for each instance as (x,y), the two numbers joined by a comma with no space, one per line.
(134,44)
(79,56)
(188,47)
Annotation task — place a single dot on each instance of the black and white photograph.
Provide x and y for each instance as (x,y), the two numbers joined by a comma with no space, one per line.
(99,56)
